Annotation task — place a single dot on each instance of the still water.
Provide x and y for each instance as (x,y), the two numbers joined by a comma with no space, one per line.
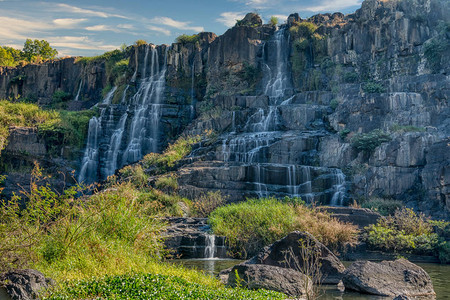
(440,274)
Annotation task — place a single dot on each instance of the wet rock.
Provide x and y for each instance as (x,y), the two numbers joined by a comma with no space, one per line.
(288,281)
(23,284)
(331,268)
(388,278)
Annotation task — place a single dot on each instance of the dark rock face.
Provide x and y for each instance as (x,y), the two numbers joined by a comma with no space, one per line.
(273,278)
(388,278)
(189,238)
(331,268)
(360,217)
(23,284)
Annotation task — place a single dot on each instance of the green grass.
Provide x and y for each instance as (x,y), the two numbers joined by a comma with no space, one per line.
(57,127)
(151,286)
(255,223)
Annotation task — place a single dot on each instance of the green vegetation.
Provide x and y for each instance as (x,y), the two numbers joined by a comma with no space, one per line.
(273,21)
(309,48)
(368,142)
(373,87)
(205,204)
(140,42)
(385,207)
(173,153)
(33,51)
(38,50)
(151,286)
(250,225)
(186,39)
(56,127)
(409,232)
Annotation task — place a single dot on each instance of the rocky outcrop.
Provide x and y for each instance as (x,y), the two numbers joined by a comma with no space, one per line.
(360,217)
(292,251)
(388,278)
(38,82)
(191,238)
(23,284)
(273,278)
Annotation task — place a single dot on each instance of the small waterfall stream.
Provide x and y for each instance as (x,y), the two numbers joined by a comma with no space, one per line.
(210,246)
(126,131)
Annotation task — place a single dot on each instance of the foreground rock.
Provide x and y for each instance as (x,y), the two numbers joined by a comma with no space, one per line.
(388,278)
(287,253)
(23,284)
(273,278)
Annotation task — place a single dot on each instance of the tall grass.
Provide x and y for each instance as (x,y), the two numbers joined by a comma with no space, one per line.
(56,127)
(255,223)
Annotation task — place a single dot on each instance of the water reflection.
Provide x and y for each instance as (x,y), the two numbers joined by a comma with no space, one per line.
(440,274)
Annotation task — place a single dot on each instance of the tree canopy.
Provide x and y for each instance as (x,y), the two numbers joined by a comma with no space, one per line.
(33,51)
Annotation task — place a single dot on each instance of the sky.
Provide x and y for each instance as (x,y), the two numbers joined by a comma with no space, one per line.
(92,27)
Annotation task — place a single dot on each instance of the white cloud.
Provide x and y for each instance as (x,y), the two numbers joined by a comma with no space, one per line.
(126,26)
(335,5)
(103,28)
(13,28)
(159,29)
(80,43)
(89,12)
(176,24)
(229,18)
(68,22)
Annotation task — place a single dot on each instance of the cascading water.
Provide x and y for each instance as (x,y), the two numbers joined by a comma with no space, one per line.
(210,246)
(250,144)
(77,97)
(126,131)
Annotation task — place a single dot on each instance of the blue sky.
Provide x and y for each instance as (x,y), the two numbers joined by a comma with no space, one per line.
(92,27)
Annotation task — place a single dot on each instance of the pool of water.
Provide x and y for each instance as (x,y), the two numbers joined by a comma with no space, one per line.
(440,275)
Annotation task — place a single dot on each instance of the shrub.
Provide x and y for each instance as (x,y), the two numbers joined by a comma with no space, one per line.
(59,98)
(140,42)
(373,87)
(350,77)
(207,203)
(334,104)
(134,174)
(385,207)
(406,128)
(167,183)
(250,225)
(273,21)
(186,39)
(174,153)
(405,231)
(370,141)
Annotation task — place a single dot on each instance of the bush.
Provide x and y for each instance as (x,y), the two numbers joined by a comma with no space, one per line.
(350,77)
(405,231)
(135,174)
(59,98)
(370,141)
(273,21)
(167,184)
(385,207)
(140,42)
(186,39)
(173,153)
(250,225)
(207,203)
(154,286)
(373,87)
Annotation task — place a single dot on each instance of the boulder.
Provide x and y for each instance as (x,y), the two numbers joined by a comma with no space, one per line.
(279,254)
(273,278)
(388,278)
(23,284)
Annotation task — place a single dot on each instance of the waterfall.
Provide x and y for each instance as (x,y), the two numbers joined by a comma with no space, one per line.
(340,189)
(192,106)
(125,132)
(77,97)
(210,246)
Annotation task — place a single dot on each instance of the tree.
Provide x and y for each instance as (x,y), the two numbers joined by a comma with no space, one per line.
(273,21)
(140,42)
(6,59)
(37,50)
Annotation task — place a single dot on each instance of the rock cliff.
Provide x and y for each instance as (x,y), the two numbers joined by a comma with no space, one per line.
(333,108)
